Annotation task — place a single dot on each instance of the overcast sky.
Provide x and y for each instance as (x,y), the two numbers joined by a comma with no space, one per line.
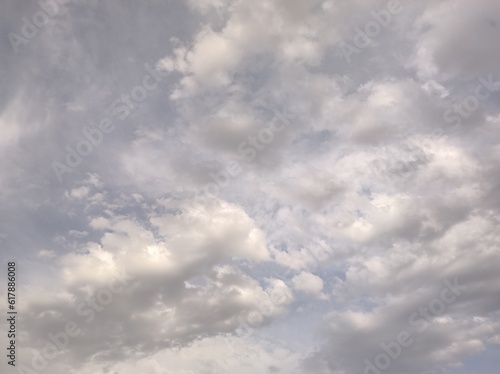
(251,186)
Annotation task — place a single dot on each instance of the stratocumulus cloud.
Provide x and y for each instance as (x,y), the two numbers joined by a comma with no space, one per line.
(268,186)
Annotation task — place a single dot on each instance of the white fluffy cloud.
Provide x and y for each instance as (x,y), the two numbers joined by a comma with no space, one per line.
(308,283)
(146,289)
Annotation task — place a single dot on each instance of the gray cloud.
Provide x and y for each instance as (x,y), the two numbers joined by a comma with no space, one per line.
(382,184)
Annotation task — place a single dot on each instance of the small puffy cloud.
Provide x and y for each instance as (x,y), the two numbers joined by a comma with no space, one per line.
(308,283)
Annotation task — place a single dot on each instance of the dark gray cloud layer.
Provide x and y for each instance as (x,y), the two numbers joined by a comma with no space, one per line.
(289,186)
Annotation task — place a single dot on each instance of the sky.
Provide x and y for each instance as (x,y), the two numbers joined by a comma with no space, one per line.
(265,186)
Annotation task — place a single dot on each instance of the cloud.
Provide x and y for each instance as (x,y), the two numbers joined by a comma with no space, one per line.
(382,184)
(308,283)
(178,285)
